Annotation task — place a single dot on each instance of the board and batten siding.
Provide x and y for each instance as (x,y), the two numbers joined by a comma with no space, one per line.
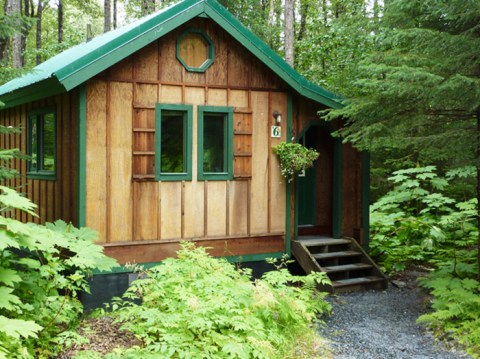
(56,199)
(128,207)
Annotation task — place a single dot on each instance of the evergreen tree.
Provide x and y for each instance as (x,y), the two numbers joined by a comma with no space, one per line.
(420,91)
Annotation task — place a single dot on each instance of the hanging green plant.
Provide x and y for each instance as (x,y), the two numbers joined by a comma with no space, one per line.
(294,158)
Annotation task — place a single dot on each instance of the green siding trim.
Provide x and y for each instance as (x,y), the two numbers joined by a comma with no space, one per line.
(38,172)
(188,133)
(78,64)
(210,51)
(337,189)
(366,199)
(82,156)
(223,176)
(288,199)
(232,259)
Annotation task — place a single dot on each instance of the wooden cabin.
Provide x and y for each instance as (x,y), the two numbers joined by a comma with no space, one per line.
(162,131)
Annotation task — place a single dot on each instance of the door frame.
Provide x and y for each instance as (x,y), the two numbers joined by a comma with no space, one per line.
(337,179)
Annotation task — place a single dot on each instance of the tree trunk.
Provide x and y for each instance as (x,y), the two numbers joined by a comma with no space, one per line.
(114,14)
(107,11)
(60,21)
(148,6)
(38,37)
(4,40)
(478,191)
(289,36)
(15,8)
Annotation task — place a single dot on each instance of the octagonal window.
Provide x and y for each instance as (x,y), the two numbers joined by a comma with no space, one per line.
(195,50)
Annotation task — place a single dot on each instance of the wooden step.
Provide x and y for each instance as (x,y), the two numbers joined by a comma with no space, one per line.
(356,281)
(336,254)
(347,267)
(315,241)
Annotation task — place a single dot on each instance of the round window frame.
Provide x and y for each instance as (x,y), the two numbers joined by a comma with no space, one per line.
(210,51)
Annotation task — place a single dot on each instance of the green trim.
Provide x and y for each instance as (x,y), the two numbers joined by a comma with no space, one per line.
(38,115)
(232,259)
(210,54)
(228,140)
(187,111)
(366,199)
(82,155)
(288,204)
(337,189)
(269,57)
(75,66)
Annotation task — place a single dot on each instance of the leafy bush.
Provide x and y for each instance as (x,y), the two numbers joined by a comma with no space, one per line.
(417,222)
(42,269)
(294,158)
(201,307)
(456,304)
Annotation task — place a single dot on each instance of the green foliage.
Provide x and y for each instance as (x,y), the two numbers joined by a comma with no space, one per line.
(417,222)
(202,307)
(418,93)
(42,269)
(294,158)
(456,305)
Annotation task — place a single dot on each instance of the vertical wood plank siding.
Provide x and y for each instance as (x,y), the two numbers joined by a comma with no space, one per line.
(125,203)
(56,199)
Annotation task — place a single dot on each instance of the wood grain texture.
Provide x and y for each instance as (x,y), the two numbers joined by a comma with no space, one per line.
(96,174)
(145,63)
(194,209)
(216,97)
(278,182)
(259,190)
(216,208)
(142,252)
(171,94)
(145,211)
(120,170)
(238,210)
(171,209)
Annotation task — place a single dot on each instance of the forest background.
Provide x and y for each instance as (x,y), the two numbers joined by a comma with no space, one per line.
(409,71)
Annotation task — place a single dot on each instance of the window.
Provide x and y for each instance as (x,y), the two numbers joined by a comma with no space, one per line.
(195,50)
(173,152)
(41,144)
(215,143)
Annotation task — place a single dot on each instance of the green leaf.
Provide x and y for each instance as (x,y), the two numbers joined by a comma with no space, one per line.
(11,199)
(9,276)
(8,300)
(17,328)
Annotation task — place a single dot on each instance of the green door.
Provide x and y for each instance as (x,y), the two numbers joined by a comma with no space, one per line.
(306,197)
(306,185)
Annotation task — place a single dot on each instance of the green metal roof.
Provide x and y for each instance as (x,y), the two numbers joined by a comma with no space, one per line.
(76,65)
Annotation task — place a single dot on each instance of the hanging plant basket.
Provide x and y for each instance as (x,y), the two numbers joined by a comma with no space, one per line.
(294,158)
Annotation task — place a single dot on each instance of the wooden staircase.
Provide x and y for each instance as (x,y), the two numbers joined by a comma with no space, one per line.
(346,263)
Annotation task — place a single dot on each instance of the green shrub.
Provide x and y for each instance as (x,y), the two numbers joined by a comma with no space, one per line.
(202,307)
(417,222)
(456,305)
(42,269)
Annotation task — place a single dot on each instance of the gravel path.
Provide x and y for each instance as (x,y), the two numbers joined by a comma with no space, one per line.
(381,325)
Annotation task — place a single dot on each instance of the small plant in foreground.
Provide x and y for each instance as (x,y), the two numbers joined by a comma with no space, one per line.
(42,269)
(294,158)
(456,304)
(202,307)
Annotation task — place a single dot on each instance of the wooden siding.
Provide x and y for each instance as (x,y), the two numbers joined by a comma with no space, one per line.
(56,199)
(125,203)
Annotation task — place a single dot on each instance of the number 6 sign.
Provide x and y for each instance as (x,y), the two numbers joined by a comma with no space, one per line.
(276,131)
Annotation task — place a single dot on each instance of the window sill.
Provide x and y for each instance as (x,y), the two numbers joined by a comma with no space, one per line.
(49,176)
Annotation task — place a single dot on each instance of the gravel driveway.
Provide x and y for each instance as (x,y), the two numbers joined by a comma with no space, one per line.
(381,325)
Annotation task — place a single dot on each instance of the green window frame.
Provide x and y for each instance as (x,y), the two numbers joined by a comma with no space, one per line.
(207,115)
(42,144)
(165,113)
(210,50)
